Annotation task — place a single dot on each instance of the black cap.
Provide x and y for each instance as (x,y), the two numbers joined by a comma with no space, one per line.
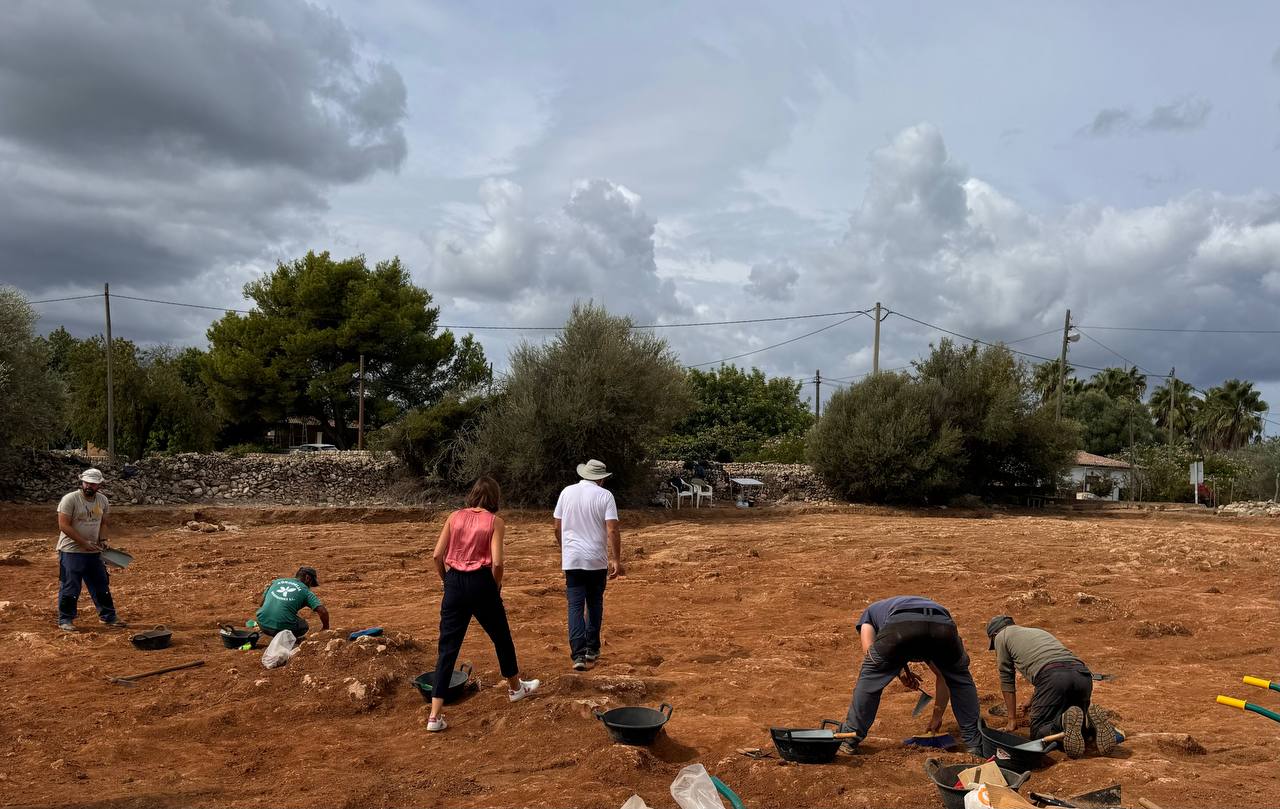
(308,571)
(995,625)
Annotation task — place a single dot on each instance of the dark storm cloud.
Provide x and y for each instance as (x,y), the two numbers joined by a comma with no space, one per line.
(149,143)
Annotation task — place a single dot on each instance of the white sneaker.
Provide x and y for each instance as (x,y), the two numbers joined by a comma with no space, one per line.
(526,688)
(436,725)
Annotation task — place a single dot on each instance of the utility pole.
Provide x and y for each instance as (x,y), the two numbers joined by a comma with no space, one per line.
(111,407)
(360,428)
(1173,393)
(817,394)
(875,354)
(1062,364)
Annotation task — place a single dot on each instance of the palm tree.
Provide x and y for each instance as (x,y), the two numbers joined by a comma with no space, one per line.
(1175,403)
(1231,415)
(1119,383)
(1046,377)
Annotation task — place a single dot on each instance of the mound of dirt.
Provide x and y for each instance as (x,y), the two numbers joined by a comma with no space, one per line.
(1160,629)
(357,674)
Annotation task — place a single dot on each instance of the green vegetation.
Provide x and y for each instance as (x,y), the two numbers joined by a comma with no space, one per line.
(32,397)
(739,415)
(598,390)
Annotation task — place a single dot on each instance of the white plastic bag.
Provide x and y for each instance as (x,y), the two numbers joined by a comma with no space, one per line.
(635,802)
(693,789)
(282,647)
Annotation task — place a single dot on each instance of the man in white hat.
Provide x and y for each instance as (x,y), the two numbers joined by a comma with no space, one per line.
(590,554)
(82,520)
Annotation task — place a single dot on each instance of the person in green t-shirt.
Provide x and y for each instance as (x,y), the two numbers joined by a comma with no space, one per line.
(282,600)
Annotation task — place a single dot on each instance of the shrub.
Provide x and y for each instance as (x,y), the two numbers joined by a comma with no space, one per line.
(429,440)
(598,390)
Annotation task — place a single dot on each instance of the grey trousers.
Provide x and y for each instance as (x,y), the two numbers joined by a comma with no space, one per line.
(1059,686)
(298,628)
(912,637)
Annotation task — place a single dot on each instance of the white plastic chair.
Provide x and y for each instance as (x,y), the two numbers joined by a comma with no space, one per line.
(682,490)
(702,489)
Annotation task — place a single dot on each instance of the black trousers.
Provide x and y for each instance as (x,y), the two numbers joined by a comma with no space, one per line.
(1059,686)
(470,594)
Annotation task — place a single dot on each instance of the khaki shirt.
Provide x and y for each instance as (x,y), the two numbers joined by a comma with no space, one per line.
(86,517)
(1028,650)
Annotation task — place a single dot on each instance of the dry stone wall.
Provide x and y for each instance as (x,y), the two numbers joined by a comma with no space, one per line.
(1252,508)
(321,478)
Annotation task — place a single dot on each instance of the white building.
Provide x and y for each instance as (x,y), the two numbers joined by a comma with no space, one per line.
(1092,471)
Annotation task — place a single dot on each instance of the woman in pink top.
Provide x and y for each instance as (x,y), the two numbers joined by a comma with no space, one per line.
(468,556)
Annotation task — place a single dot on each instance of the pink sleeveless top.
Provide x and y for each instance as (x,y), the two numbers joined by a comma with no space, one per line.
(470,533)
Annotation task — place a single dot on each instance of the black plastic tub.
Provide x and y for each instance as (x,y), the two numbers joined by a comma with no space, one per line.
(807,745)
(1003,746)
(152,639)
(944,778)
(425,683)
(634,725)
(234,638)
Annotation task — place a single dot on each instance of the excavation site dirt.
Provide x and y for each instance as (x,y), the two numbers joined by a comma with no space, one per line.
(739,619)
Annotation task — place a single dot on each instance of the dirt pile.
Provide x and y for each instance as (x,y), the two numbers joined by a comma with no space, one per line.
(354,676)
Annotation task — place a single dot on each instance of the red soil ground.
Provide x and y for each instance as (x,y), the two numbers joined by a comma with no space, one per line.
(741,620)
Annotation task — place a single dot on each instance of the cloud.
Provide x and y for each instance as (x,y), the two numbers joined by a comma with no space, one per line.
(773,280)
(1182,115)
(945,247)
(155,146)
(1275,59)
(599,245)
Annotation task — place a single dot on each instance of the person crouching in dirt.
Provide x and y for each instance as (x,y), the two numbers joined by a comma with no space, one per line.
(469,559)
(900,630)
(1062,699)
(282,600)
(82,524)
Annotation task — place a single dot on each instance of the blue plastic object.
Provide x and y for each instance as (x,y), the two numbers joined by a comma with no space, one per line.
(372,632)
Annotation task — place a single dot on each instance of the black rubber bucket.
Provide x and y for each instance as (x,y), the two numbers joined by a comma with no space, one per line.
(152,639)
(425,683)
(634,725)
(1002,746)
(944,778)
(234,638)
(807,745)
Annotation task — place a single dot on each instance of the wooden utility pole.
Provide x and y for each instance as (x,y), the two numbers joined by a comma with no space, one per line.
(1173,393)
(1062,364)
(875,354)
(817,394)
(360,418)
(111,407)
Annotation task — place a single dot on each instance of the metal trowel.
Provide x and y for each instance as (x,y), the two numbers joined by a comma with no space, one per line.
(921,703)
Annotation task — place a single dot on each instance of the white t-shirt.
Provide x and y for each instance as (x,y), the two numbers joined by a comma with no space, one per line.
(582,510)
(86,517)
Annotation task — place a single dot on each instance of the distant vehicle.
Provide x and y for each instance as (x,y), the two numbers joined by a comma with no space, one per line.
(313,448)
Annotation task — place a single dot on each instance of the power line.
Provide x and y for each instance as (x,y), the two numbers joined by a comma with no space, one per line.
(783,343)
(73,298)
(188,305)
(1032,337)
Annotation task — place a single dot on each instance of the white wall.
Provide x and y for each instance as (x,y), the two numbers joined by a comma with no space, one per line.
(1119,477)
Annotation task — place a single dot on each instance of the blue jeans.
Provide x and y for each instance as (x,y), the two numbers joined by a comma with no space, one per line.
(75,569)
(585,592)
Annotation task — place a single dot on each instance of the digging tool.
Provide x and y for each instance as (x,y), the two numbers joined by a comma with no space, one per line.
(131,679)
(922,703)
(1041,745)
(1248,706)
(940,741)
(1098,678)
(1146,804)
(1261,683)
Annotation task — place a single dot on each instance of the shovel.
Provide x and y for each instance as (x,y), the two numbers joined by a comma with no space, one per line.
(130,680)
(1042,745)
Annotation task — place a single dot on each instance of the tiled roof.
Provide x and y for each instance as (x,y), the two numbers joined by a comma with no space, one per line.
(1089,459)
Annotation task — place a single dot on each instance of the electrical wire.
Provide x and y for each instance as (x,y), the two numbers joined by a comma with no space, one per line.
(1183,331)
(779,345)
(73,298)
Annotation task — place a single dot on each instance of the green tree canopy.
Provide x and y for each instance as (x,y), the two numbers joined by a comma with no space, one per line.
(735,412)
(31,396)
(1175,404)
(1230,416)
(1108,425)
(160,403)
(298,352)
(968,421)
(600,389)
(1119,383)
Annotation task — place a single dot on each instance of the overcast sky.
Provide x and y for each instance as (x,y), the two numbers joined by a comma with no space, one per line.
(981,167)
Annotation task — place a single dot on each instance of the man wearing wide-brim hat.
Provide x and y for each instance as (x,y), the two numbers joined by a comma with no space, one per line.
(82,524)
(586,524)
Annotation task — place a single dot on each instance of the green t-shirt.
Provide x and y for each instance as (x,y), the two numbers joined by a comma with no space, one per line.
(281,601)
